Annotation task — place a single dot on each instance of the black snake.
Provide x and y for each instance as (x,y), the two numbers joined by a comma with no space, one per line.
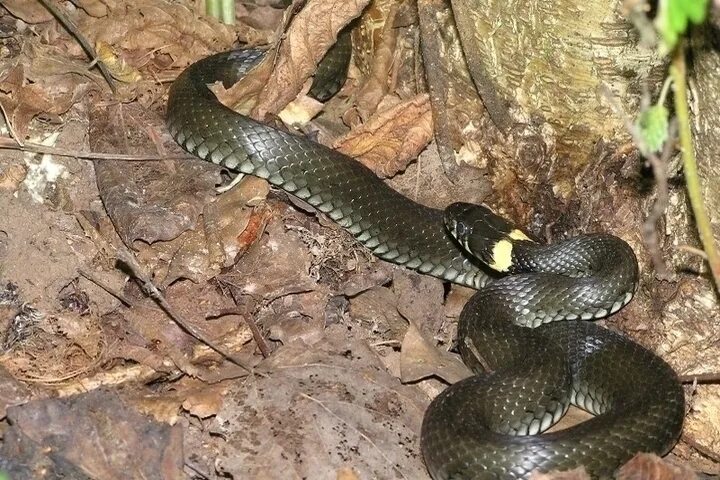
(483,426)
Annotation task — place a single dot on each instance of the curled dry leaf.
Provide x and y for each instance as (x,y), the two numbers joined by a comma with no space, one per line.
(391,139)
(377,29)
(311,33)
(420,359)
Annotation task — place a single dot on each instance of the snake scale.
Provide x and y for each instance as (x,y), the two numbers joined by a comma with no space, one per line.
(482,427)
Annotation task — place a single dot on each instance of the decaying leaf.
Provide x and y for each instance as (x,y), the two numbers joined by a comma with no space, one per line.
(320,410)
(420,359)
(311,33)
(94,433)
(389,140)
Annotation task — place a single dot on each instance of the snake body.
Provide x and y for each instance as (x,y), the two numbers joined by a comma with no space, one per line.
(481,427)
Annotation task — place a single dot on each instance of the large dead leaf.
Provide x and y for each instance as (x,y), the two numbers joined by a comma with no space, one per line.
(49,96)
(312,31)
(94,434)
(391,139)
(321,410)
(422,359)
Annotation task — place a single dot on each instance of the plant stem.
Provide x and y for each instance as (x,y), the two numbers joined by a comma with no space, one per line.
(678,71)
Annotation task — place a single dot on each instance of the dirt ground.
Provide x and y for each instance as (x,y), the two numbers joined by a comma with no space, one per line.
(97,377)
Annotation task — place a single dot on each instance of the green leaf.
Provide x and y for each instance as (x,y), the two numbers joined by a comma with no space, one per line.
(673,19)
(652,127)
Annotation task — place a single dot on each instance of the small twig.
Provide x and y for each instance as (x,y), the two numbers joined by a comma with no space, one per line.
(151,290)
(106,287)
(11,144)
(706,452)
(197,470)
(659,168)
(700,378)
(256,333)
(692,180)
(74,31)
(695,251)
(10,127)
(483,362)
(660,174)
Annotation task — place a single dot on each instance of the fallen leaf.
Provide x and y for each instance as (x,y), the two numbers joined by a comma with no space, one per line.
(390,140)
(96,433)
(322,408)
(420,359)
(312,31)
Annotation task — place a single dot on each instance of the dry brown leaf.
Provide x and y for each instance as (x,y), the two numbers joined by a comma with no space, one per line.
(97,434)
(376,84)
(377,308)
(312,31)
(232,223)
(29,12)
(12,176)
(323,408)
(391,139)
(23,101)
(648,466)
(167,27)
(94,8)
(202,400)
(420,359)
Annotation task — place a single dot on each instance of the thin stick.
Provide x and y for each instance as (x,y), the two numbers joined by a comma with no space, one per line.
(106,287)
(150,289)
(10,144)
(700,378)
(700,448)
(74,31)
(256,333)
(692,181)
(659,172)
(10,127)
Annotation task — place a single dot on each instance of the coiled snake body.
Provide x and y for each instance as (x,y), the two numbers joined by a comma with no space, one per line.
(483,426)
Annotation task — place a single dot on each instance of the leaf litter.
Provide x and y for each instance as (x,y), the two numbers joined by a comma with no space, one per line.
(95,361)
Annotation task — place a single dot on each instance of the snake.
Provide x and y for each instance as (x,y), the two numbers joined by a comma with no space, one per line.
(525,333)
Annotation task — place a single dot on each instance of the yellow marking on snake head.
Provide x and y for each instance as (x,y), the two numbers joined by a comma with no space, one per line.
(519,235)
(501,256)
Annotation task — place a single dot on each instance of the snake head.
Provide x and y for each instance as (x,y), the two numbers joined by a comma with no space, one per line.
(483,234)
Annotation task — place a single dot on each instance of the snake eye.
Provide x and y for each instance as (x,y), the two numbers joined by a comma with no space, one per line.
(461,229)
